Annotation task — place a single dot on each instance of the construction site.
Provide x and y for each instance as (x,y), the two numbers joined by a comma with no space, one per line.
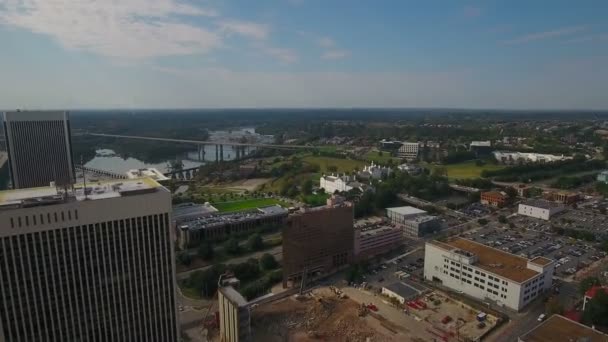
(323,314)
(354,314)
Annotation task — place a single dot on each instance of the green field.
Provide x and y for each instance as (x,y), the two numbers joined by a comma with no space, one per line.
(246,204)
(343,165)
(467,169)
(381,159)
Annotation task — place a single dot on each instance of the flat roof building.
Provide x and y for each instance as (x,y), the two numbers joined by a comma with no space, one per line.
(147,172)
(87,264)
(487,273)
(317,241)
(560,328)
(211,227)
(540,209)
(414,221)
(493,198)
(372,239)
(39,148)
(408,150)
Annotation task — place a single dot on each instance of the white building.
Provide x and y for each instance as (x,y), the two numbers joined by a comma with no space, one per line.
(540,209)
(408,150)
(147,172)
(487,273)
(375,171)
(516,157)
(414,221)
(88,264)
(344,183)
(410,169)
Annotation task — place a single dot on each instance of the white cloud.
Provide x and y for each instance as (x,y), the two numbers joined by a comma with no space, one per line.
(591,38)
(284,55)
(245,28)
(326,42)
(335,54)
(545,35)
(116,28)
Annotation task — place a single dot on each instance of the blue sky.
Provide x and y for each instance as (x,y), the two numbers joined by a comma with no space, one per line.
(303,53)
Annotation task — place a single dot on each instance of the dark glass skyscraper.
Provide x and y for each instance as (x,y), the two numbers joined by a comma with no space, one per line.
(39,148)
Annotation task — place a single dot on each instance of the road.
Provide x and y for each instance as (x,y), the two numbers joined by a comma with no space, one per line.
(201,142)
(277,252)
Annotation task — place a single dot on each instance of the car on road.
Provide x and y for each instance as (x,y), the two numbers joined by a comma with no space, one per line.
(541,317)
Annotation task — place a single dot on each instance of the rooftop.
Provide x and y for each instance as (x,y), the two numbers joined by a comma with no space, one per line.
(217,220)
(233,295)
(404,290)
(188,210)
(20,198)
(406,210)
(594,289)
(538,203)
(506,265)
(147,172)
(422,218)
(495,193)
(559,328)
(542,261)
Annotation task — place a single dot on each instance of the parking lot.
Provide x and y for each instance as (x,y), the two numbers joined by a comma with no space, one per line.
(531,237)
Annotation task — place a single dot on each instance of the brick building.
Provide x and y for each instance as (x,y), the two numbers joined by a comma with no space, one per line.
(494,198)
(317,241)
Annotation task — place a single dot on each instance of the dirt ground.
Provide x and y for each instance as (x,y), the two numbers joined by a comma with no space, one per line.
(246,185)
(321,316)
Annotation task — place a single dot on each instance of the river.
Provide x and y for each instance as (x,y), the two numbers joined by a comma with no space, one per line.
(106,159)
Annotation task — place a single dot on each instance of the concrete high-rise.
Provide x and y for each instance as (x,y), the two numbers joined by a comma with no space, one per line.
(39,148)
(87,265)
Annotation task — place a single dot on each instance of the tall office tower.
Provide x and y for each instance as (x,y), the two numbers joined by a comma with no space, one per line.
(87,267)
(317,241)
(39,148)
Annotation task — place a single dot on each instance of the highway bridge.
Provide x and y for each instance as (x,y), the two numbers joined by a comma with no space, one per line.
(202,142)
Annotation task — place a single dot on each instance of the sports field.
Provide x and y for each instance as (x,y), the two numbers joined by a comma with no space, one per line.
(466,169)
(343,165)
(246,204)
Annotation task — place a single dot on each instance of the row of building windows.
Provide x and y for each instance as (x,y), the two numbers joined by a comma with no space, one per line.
(41,219)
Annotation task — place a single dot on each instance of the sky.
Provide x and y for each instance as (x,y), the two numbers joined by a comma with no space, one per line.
(107,54)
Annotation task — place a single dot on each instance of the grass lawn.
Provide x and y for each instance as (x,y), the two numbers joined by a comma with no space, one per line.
(316,200)
(246,204)
(382,159)
(469,169)
(343,165)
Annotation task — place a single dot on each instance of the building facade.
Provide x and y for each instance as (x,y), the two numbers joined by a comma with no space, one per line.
(218,226)
(414,221)
(493,198)
(87,265)
(376,239)
(408,150)
(39,148)
(603,177)
(539,209)
(334,183)
(486,273)
(317,241)
(374,171)
(234,315)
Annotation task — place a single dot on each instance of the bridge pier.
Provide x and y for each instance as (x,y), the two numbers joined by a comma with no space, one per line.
(201,152)
(221,153)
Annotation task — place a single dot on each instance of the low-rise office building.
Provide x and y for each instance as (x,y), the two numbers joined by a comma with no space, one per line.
(403,291)
(494,198)
(372,239)
(408,150)
(560,328)
(147,172)
(487,273)
(540,209)
(525,157)
(414,221)
(185,212)
(218,226)
(481,148)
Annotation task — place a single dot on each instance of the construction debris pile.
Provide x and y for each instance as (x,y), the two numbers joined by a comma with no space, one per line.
(324,314)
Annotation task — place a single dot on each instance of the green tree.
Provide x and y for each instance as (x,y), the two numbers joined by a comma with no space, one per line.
(588,283)
(307,187)
(596,310)
(232,246)
(255,242)
(332,168)
(184,258)
(502,219)
(268,262)
(205,251)
(482,221)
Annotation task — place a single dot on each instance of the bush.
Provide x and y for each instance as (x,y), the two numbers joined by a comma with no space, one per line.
(482,221)
(255,242)
(232,246)
(184,258)
(268,262)
(205,251)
